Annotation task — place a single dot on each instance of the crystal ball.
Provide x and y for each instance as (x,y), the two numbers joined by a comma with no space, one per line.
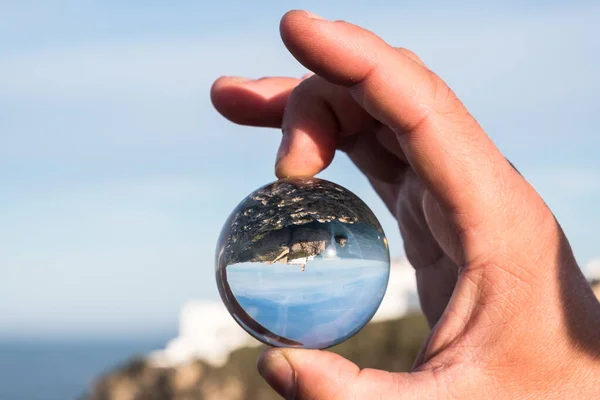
(302,262)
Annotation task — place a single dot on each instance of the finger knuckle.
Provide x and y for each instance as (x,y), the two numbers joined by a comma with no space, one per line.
(444,99)
(410,54)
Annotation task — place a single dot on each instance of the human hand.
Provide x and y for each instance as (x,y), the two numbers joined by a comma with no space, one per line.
(511,314)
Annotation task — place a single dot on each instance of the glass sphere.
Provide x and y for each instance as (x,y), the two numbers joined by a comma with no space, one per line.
(302,262)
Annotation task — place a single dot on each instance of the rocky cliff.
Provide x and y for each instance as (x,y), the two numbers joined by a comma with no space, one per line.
(390,345)
(262,222)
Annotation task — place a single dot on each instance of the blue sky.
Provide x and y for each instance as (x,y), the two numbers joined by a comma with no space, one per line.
(117,174)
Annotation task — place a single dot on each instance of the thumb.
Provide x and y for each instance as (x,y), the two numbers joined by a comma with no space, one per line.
(315,374)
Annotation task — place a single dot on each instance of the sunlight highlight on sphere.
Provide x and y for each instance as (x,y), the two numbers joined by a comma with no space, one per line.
(302,262)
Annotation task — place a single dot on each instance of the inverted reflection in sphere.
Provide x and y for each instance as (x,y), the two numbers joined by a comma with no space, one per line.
(302,262)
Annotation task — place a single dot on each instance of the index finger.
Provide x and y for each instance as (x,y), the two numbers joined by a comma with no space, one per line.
(442,142)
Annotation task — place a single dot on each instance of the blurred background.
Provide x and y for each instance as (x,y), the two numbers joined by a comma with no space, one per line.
(116,174)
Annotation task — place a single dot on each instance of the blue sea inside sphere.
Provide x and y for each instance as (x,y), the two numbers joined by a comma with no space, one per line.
(302,262)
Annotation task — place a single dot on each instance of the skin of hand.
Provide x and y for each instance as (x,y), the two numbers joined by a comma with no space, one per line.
(511,314)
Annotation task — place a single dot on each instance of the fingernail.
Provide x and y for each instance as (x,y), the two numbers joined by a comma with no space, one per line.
(239,79)
(278,372)
(314,16)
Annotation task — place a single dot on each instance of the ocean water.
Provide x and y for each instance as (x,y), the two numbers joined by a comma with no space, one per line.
(316,307)
(61,369)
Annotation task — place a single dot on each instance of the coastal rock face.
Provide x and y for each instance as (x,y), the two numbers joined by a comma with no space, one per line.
(390,345)
(213,358)
(386,343)
(256,230)
(285,244)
